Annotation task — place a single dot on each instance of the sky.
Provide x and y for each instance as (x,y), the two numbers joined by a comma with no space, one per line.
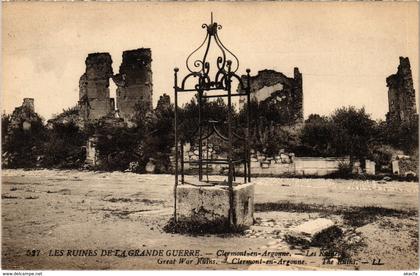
(345,51)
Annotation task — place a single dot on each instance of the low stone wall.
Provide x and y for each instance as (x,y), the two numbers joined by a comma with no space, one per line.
(318,165)
(281,164)
(271,168)
(262,165)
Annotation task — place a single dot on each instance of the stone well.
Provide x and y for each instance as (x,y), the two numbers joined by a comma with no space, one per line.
(209,205)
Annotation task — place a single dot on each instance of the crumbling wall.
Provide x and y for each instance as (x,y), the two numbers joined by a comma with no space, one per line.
(69,116)
(405,166)
(94,96)
(29,104)
(134,82)
(134,85)
(22,137)
(272,86)
(24,116)
(401,94)
(164,102)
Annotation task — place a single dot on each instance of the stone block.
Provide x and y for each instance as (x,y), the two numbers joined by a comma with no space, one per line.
(356,168)
(26,125)
(284,156)
(150,167)
(313,232)
(209,205)
(370,167)
(395,167)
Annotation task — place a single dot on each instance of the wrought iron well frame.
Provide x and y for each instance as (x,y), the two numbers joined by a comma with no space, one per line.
(222,82)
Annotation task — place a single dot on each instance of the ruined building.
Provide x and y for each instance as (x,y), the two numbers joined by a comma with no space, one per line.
(24,116)
(401,94)
(94,96)
(134,82)
(164,102)
(275,87)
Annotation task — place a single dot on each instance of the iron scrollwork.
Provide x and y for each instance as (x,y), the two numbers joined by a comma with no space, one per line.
(201,67)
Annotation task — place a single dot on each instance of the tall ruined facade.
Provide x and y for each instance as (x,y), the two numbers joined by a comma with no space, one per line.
(269,86)
(401,94)
(134,86)
(134,81)
(94,95)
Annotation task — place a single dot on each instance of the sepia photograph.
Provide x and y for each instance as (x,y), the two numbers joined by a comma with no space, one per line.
(210,136)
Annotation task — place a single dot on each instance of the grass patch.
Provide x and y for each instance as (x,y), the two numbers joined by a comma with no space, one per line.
(31,197)
(342,249)
(144,200)
(364,215)
(8,197)
(123,214)
(113,199)
(197,227)
(352,216)
(287,206)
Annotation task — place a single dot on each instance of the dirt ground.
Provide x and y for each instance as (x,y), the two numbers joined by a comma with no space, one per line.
(51,219)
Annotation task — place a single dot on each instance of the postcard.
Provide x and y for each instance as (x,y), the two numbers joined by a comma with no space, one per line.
(210,136)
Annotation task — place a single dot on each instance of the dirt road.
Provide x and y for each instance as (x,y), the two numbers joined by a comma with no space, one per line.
(74,220)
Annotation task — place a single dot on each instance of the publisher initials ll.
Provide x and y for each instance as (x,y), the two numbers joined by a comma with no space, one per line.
(377,262)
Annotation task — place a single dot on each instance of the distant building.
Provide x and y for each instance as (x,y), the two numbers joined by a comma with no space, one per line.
(401,94)
(287,93)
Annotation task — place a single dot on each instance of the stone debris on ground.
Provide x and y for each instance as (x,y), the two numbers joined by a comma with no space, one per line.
(269,228)
(308,232)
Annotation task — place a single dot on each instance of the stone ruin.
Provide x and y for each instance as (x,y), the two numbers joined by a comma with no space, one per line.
(94,95)
(401,94)
(24,116)
(134,86)
(164,102)
(404,165)
(286,93)
(134,82)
